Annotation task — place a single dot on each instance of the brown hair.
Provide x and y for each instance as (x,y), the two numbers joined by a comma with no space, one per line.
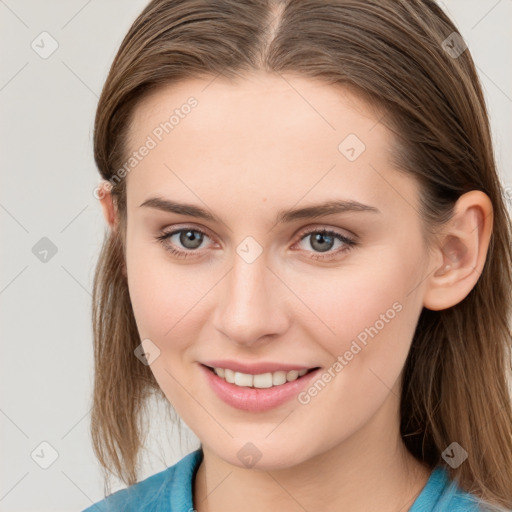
(391,52)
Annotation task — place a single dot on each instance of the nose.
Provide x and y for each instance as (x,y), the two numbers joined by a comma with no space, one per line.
(251,303)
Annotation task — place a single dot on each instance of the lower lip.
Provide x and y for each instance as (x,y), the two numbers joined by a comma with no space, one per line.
(256,399)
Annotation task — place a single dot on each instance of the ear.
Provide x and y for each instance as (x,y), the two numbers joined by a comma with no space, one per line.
(460,256)
(107,204)
(109,210)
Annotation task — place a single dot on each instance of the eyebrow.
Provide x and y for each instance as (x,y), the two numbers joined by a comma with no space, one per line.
(283,216)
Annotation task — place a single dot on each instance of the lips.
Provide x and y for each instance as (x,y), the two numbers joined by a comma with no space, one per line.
(254,399)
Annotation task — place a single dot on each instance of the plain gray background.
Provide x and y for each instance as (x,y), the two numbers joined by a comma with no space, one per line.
(48,176)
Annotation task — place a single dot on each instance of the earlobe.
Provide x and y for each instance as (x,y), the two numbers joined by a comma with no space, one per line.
(462,252)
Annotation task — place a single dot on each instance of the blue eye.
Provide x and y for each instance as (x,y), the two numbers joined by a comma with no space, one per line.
(322,241)
(190,238)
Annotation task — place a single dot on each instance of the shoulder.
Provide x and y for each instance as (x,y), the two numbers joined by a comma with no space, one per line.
(169,490)
(441,494)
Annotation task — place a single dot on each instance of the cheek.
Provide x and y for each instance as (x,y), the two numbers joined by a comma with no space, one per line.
(365,313)
(166,297)
(372,316)
(163,303)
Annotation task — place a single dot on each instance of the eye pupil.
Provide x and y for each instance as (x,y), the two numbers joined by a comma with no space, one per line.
(190,236)
(319,237)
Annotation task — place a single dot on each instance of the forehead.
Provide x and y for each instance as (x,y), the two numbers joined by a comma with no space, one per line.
(284,136)
(259,99)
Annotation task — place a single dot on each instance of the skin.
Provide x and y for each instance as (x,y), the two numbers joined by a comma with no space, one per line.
(249,149)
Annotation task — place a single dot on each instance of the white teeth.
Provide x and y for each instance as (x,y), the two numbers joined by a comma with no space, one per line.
(243,379)
(292,375)
(278,378)
(262,380)
(229,375)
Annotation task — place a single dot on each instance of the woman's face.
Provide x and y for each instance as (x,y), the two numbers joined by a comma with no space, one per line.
(263,290)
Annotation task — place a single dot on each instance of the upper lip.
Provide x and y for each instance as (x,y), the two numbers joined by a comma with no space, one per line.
(255,368)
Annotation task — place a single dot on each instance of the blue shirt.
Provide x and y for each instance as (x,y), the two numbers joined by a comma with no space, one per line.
(171,491)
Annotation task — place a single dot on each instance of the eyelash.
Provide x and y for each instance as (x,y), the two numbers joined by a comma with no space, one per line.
(349,242)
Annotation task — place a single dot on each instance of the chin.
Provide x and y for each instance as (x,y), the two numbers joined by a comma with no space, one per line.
(264,454)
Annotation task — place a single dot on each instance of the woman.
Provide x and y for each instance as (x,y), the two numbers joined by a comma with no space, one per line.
(308,257)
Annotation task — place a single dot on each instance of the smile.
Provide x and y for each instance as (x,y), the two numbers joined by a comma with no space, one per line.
(257,392)
(261,380)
